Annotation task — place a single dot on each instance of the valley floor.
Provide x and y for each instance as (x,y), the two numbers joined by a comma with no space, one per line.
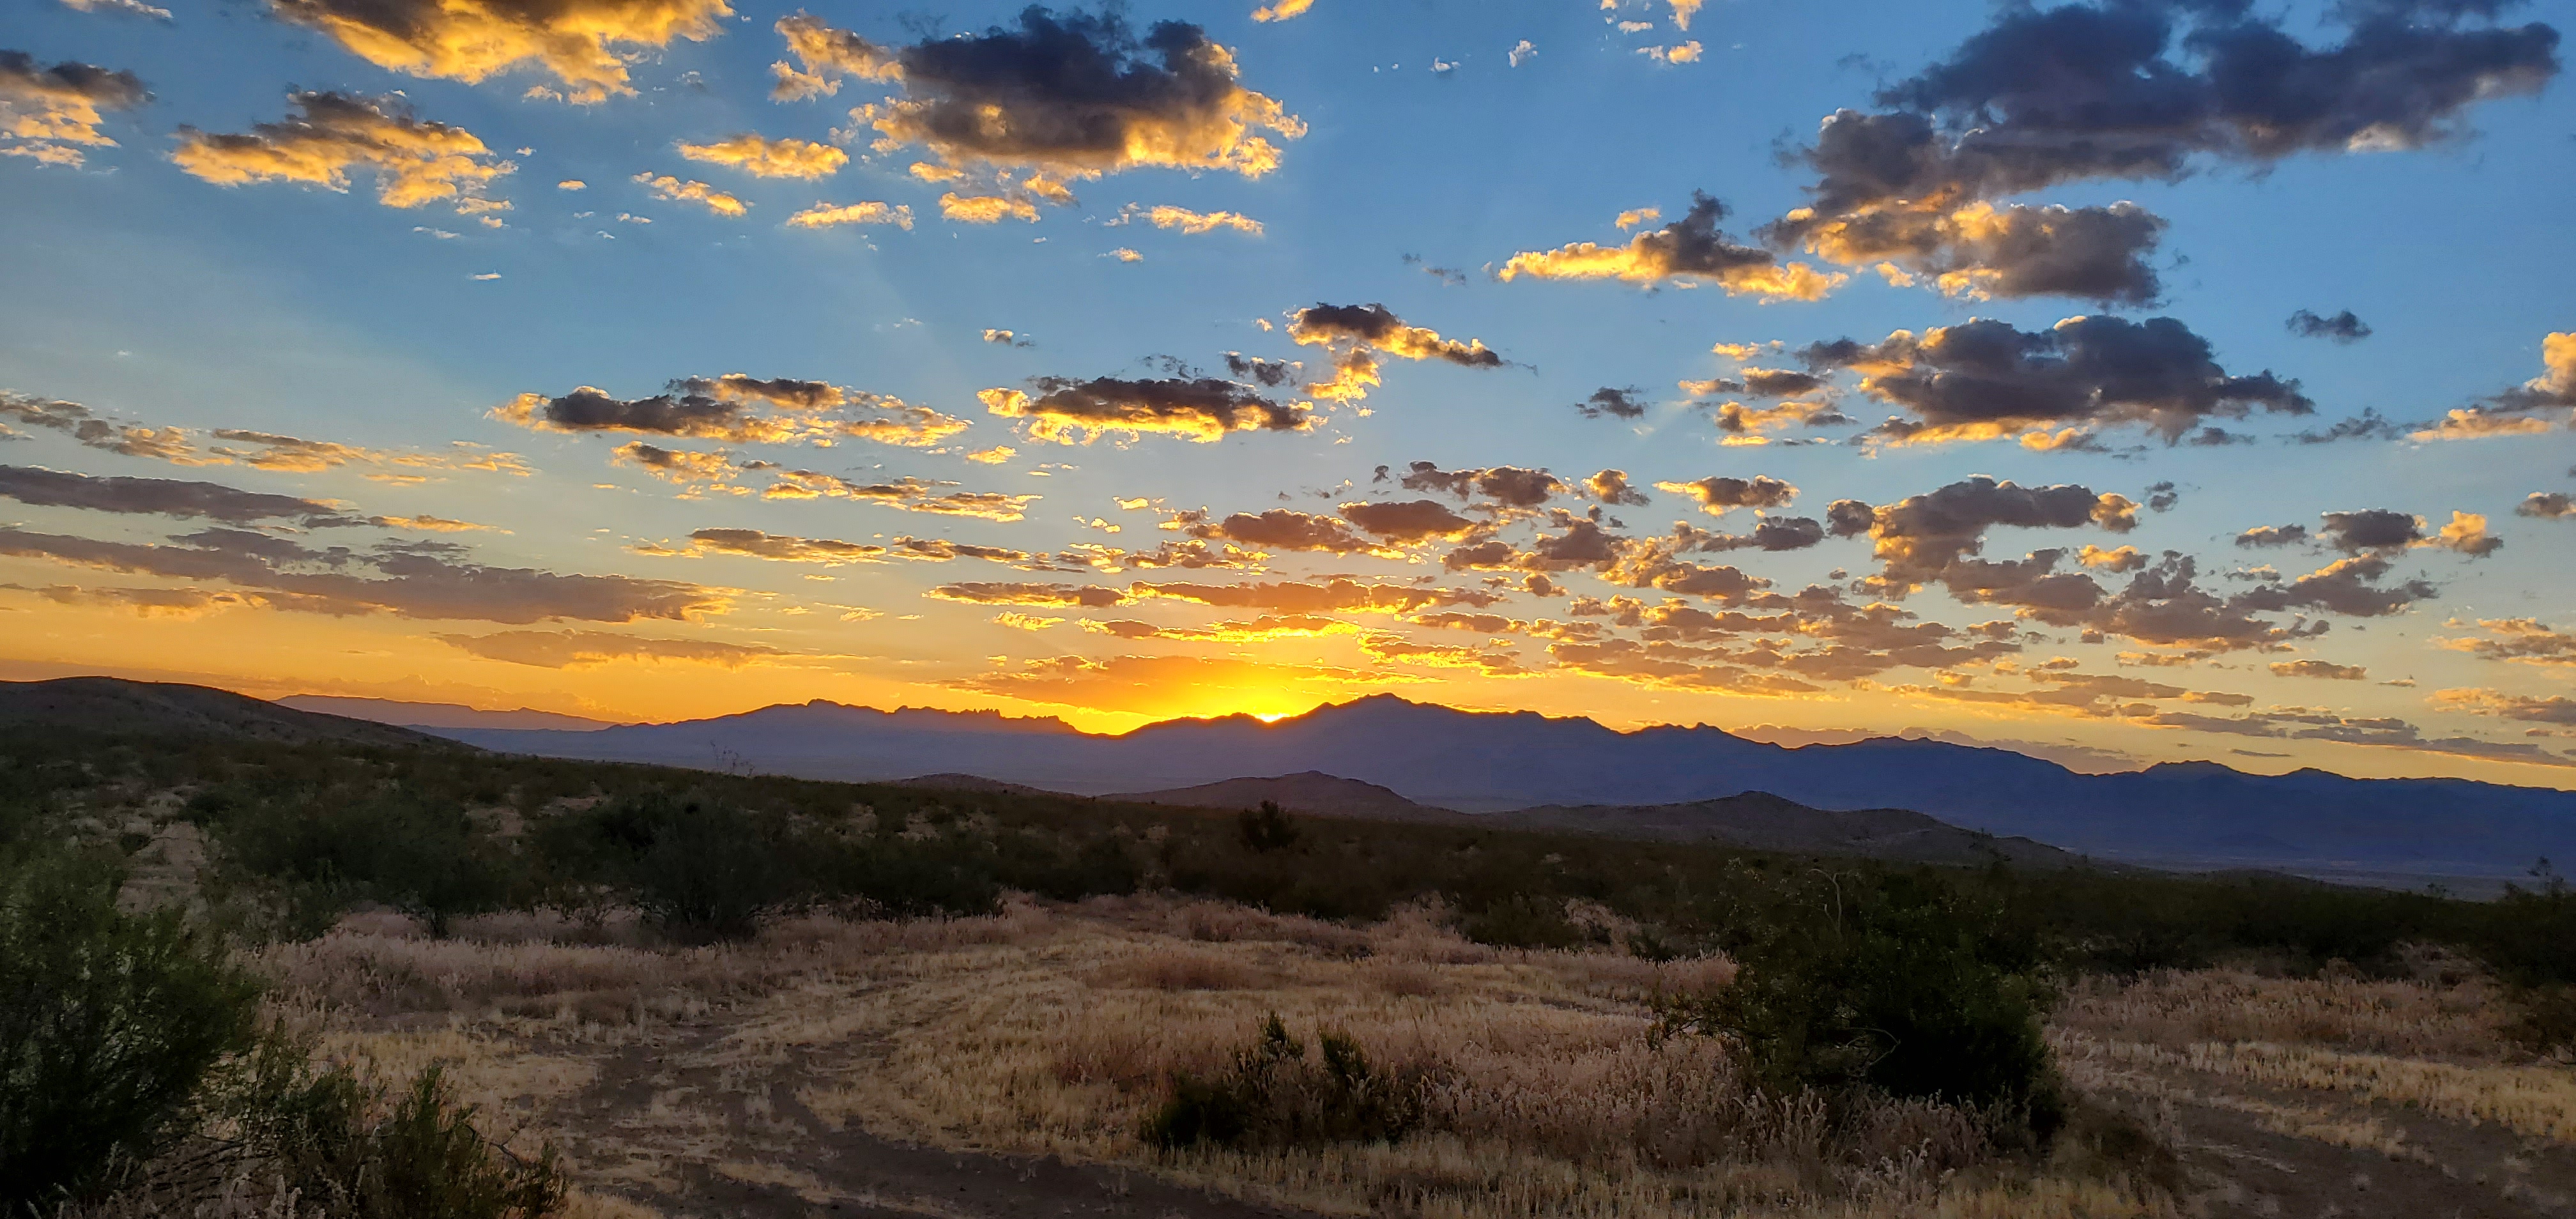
(1005,1065)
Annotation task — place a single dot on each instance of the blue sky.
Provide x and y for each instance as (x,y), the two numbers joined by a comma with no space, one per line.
(157,288)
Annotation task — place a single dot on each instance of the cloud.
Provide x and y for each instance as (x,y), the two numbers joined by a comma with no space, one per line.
(1690,250)
(752,543)
(830,215)
(2380,731)
(2318,668)
(2273,536)
(1981,252)
(1203,409)
(149,602)
(740,408)
(1259,630)
(1165,216)
(1335,596)
(1984,379)
(762,157)
(584,44)
(827,55)
(1061,596)
(1372,327)
(986,209)
(415,580)
(1509,486)
(1716,494)
(2534,407)
(1523,51)
(1285,529)
(1411,522)
(51,115)
(2377,530)
(1166,686)
(1611,487)
(164,497)
(1078,95)
(2547,505)
(909,494)
(329,134)
(1282,10)
(2467,533)
(586,649)
(2343,327)
(1917,538)
(1613,403)
(1009,338)
(2555,709)
(664,186)
(267,451)
(120,8)
(2519,641)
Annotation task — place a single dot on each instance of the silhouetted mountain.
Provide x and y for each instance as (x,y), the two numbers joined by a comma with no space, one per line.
(1311,792)
(2195,814)
(110,704)
(975,783)
(437,715)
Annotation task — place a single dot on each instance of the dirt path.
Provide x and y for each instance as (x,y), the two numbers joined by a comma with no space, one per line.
(2281,1154)
(672,1124)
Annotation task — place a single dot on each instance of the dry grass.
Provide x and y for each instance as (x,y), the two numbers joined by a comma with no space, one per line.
(1055,1031)
(2535,1101)
(2458,1021)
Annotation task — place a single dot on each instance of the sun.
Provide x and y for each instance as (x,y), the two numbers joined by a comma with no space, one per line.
(1270,717)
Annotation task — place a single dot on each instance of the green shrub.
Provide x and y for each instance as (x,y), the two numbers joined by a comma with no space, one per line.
(1275,1096)
(1522,922)
(906,879)
(109,1023)
(1903,988)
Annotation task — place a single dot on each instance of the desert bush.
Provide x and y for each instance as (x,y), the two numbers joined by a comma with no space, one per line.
(1275,1096)
(418,854)
(366,1152)
(701,867)
(1522,922)
(1907,990)
(109,1024)
(1266,829)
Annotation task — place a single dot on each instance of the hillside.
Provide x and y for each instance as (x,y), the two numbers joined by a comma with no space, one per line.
(108,704)
(2201,814)
(438,715)
(1760,821)
(1311,792)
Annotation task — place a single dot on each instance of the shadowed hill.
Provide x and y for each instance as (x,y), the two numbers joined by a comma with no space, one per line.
(108,704)
(1311,792)
(1760,821)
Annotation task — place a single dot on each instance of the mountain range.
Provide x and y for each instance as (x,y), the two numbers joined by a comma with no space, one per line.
(2191,814)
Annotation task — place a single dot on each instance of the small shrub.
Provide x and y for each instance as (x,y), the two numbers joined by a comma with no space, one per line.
(1266,829)
(109,1023)
(362,1152)
(1275,1096)
(1522,922)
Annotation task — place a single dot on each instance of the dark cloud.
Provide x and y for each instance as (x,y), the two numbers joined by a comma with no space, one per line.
(2128,89)
(1293,597)
(1271,373)
(164,497)
(583,649)
(1197,408)
(2343,327)
(1779,382)
(2273,536)
(739,408)
(1056,596)
(1615,403)
(755,544)
(1919,536)
(2371,529)
(51,115)
(1077,95)
(1510,486)
(1776,533)
(1718,493)
(1409,522)
(1372,326)
(2325,669)
(1285,529)
(416,581)
(1987,378)
(2368,425)
(1691,249)
(2547,505)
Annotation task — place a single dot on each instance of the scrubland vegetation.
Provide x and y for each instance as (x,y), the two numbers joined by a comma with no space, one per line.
(438,983)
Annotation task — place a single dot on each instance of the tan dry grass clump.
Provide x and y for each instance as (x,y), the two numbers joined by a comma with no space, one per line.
(2461,1021)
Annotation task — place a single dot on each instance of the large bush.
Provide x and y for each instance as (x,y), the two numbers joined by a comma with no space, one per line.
(1275,1096)
(109,1024)
(421,855)
(1903,987)
(701,867)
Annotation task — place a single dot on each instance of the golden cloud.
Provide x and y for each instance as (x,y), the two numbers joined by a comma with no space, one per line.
(576,41)
(1689,250)
(829,215)
(1282,10)
(50,115)
(330,134)
(762,157)
(1293,597)
(826,55)
(1056,596)
(1165,216)
(752,543)
(986,209)
(1202,409)
(664,186)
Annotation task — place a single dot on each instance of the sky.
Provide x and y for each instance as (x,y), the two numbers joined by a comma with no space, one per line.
(2124,382)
